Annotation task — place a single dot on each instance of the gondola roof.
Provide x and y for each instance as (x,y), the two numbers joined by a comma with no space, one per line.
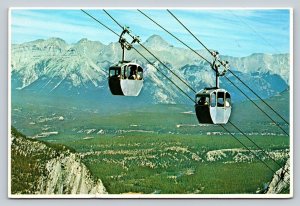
(209,90)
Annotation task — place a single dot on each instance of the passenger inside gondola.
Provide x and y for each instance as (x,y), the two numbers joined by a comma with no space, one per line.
(139,73)
(203,101)
(133,72)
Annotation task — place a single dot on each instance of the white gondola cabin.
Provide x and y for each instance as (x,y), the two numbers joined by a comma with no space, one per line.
(213,106)
(126,78)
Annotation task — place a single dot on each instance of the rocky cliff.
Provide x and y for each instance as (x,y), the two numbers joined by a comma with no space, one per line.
(281,180)
(43,168)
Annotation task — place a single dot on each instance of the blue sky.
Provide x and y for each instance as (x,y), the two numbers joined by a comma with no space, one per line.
(231,32)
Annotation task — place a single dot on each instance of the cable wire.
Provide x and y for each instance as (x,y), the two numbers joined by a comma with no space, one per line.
(226,77)
(183,81)
(281,117)
(185,93)
(218,60)
(257,106)
(174,37)
(201,57)
(194,101)
(188,30)
(255,144)
(229,70)
(100,23)
(253,153)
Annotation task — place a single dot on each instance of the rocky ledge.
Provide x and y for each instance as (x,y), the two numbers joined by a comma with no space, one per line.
(42,168)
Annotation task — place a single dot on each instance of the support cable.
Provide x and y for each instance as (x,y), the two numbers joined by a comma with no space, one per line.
(185,93)
(218,60)
(194,101)
(229,70)
(175,37)
(226,77)
(183,81)
(258,106)
(274,172)
(201,57)
(255,144)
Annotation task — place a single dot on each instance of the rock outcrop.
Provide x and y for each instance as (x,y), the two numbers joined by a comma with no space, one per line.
(41,168)
(281,180)
(67,175)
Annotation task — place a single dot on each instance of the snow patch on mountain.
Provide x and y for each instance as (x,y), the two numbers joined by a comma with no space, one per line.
(53,64)
(263,63)
(157,43)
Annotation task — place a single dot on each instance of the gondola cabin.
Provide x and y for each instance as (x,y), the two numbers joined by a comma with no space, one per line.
(126,78)
(213,106)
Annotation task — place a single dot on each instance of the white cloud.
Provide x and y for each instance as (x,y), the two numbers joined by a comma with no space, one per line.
(70,32)
(219,29)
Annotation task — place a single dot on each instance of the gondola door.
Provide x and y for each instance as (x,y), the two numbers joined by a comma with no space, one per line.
(227,107)
(220,109)
(213,107)
(217,109)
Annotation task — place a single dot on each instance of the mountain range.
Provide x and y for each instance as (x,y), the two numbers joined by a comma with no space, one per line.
(54,67)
